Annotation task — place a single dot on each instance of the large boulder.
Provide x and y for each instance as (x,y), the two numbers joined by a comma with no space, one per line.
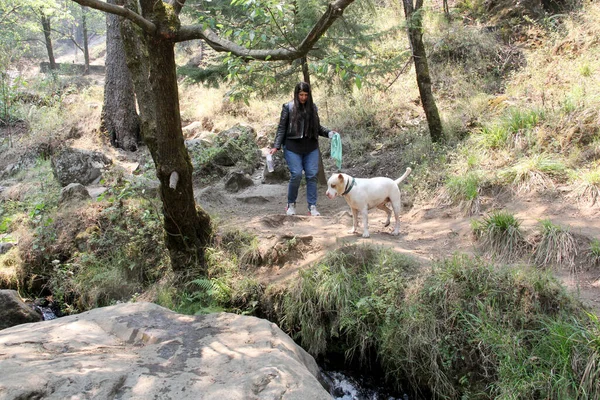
(144,351)
(72,165)
(14,311)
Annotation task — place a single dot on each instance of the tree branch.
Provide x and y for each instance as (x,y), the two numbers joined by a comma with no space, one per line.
(334,11)
(121,11)
(177,5)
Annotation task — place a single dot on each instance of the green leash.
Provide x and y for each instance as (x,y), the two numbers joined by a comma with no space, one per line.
(336,149)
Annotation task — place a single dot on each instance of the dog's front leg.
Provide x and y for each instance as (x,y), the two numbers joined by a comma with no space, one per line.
(365,218)
(354,221)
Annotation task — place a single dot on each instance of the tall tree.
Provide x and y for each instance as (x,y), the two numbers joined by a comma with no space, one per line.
(414,22)
(150,33)
(119,114)
(47,29)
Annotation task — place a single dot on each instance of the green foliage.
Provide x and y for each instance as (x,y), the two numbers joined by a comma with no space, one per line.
(466,330)
(342,298)
(500,236)
(343,58)
(120,254)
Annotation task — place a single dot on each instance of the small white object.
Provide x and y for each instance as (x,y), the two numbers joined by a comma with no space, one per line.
(270,165)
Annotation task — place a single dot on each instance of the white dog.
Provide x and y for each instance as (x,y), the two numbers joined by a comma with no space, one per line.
(364,194)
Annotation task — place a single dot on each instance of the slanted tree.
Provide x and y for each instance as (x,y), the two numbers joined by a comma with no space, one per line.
(119,115)
(414,22)
(150,29)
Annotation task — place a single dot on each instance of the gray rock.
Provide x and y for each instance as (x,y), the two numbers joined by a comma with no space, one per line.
(14,311)
(73,192)
(78,166)
(238,181)
(6,246)
(143,351)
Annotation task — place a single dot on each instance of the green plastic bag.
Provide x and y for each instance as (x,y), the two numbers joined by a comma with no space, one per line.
(336,149)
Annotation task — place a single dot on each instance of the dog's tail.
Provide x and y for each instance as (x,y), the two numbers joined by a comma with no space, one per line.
(403,177)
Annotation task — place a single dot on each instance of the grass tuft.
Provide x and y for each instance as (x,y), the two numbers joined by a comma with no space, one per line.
(500,236)
(556,247)
(534,173)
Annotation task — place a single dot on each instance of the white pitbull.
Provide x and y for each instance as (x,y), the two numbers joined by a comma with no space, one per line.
(363,194)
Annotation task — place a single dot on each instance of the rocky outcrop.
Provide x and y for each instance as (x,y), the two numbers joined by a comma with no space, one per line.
(78,166)
(144,351)
(14,311)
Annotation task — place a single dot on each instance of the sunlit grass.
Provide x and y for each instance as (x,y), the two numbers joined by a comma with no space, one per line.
(536,172)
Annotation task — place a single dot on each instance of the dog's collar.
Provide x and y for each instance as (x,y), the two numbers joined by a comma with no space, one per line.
(348,188)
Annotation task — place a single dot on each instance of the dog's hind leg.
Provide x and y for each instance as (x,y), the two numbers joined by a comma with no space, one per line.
(396,205)
(385,208)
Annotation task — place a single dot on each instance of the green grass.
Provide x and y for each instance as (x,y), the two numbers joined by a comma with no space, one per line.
(593,252)
(587,188)
(510,129)
(557,246)
(464,191)
(536,172)
(500,236)
(465,329)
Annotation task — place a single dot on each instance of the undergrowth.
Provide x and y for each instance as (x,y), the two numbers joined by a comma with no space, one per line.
(468,329)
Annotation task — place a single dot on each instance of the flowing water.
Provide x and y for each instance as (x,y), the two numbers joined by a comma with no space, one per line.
(343,386)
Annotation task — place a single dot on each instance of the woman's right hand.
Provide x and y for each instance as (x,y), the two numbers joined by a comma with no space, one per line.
(273,150)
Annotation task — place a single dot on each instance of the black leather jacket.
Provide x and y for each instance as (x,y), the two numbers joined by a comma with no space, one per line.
(285,130)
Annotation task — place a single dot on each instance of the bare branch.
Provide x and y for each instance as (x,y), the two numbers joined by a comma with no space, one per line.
(121,11)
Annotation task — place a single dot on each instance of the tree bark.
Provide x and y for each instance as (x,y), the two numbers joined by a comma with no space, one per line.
(119,115)
(415,36)
(48,40)
(86,49)
(151,60)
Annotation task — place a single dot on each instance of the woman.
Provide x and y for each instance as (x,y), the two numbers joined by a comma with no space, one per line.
(298,132)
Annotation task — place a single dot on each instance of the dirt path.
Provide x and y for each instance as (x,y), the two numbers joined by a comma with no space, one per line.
(427,232)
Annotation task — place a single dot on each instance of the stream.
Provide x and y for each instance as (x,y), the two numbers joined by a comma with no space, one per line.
(344,386)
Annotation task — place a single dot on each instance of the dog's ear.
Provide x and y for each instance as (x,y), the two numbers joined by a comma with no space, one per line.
(340,177)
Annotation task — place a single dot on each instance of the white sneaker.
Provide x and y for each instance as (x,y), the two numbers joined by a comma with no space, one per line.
(313,211)
(291,209)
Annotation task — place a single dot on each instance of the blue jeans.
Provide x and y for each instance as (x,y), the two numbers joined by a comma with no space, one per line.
(296,164)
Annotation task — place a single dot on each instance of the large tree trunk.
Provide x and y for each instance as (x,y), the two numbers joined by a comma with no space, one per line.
(86,50)
(48,40)
(415,36)
(151,60)
(119,115)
